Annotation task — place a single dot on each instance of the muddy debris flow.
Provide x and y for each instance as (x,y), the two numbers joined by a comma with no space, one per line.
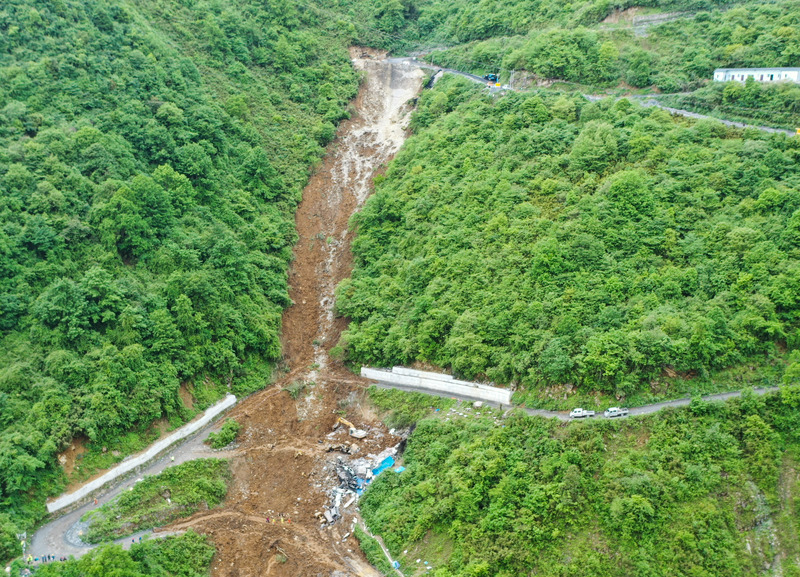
(291,506)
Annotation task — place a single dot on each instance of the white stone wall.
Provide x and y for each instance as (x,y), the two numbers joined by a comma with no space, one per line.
(425,381)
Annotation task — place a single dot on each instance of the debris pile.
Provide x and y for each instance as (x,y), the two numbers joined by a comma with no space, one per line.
(353,477)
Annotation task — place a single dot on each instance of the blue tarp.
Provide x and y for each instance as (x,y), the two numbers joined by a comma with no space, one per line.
(399,469)
(385,464)
(362,484)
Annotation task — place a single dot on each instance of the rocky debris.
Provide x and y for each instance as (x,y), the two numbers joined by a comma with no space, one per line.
(352,478)
(346,448)
(347,477)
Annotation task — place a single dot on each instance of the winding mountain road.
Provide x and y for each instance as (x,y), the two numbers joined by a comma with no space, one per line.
(62,536)
(564,415)
(644,100)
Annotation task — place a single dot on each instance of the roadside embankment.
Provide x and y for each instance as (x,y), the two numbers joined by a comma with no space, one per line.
(132,463)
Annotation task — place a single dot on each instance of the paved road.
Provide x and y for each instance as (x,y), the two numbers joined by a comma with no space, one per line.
(425,65)
(62,536)
(643,100)
(689,114)
(564,415)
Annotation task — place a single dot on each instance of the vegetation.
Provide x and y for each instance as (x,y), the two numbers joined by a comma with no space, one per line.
(295,389)
(775,105)
(175,493)
(708,489)
(569,42)
(187,555)
(545,240)
(373,552)
(226,435)
(151,157)
(400,24)
(674,56)
(403,409)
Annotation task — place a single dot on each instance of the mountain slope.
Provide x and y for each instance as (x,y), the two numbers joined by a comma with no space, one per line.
(544,240)
(151,158)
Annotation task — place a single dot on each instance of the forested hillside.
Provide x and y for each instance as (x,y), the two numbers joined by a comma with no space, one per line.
(543,240)
(674,56)
(152,154)
(567,42)
(410,23)
(769,104)
(187,555)
(703,491)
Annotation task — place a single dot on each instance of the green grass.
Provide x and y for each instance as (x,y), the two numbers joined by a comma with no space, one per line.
(175,493)
(402,408)
(226,435)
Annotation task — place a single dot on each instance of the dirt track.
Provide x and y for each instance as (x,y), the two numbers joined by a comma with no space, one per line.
(281,466)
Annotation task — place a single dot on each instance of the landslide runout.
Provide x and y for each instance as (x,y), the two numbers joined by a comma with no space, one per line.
(281,468)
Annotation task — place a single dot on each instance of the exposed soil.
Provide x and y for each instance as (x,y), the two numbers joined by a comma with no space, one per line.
(282,470)
(69,458)
(622,15)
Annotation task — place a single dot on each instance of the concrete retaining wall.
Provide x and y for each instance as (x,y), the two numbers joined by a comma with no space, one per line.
(130,464)
(438,383)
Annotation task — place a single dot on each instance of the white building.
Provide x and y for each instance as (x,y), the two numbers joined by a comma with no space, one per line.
(760,74)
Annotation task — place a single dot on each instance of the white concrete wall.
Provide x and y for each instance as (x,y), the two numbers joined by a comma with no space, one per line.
(426,381)
(741,74)
(130,464)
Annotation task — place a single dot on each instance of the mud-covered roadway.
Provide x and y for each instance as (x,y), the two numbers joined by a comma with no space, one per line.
(281,468)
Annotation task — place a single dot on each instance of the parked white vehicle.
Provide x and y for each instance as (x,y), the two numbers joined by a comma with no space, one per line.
(580,414)
(615,412)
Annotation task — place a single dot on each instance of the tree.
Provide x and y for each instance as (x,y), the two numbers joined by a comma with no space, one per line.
(595,148)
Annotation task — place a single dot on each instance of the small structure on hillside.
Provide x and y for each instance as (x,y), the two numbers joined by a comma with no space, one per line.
(758,74)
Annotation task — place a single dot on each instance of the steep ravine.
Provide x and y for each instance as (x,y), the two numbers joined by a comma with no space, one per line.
(282,469)
(281,465)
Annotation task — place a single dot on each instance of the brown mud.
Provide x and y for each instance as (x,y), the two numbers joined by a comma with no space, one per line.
(282,471)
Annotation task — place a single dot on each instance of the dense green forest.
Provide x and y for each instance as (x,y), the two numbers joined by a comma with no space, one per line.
(187,555)
(399,24)
(701,491)
(674,56)
(567,42)
(770,104)
(544,240)
(151,157)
